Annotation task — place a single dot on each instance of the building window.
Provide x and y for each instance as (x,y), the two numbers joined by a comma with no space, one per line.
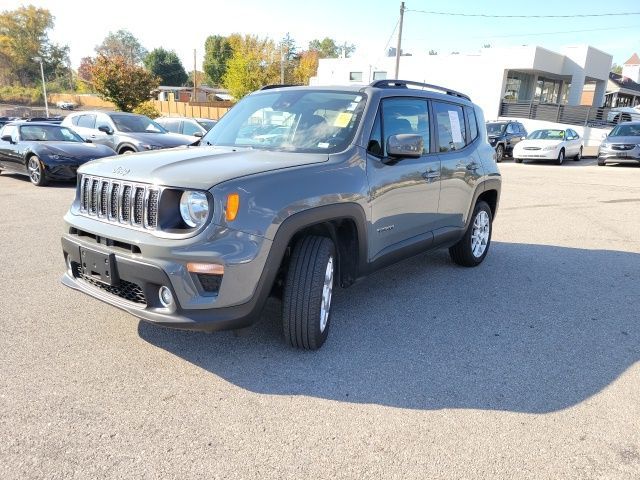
(379,75)
(355,76)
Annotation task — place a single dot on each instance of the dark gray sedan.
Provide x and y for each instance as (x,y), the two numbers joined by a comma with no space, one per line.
(622,145)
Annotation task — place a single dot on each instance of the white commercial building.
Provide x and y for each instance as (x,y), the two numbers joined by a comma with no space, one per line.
(528,74)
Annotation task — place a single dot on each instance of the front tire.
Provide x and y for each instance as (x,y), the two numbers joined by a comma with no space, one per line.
(37,173)
(601,163)
(308,289)
(471,250)
(499,153)
(560,159)
(517,160)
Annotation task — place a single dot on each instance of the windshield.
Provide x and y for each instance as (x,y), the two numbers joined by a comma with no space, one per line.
(632,130)
(546,135)
(294,120)
(495,128)
(136,124)
(207,124)
(51,133)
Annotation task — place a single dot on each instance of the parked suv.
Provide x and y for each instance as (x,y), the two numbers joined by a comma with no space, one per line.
(124,132)
(504,135)
(622,145)
(357,178)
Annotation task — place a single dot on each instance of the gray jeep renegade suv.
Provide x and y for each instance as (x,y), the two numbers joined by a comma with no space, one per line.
(295,191)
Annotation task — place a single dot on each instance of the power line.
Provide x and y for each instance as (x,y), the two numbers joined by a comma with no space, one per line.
(555,33)
(484,15)
(391,36)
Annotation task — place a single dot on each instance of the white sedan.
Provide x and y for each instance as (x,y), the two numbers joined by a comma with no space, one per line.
(551,144)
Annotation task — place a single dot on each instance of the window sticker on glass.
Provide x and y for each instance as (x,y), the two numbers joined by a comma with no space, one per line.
(352,106)
(323,145)
(456,133)
(342,120)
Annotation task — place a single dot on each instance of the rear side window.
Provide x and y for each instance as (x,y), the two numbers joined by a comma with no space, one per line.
(405,115)
(87,121)
(473,123)
(74,120)
(173,125)
(450,126)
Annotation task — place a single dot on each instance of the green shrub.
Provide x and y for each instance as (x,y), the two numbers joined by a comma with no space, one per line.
(21,95)
(148,109)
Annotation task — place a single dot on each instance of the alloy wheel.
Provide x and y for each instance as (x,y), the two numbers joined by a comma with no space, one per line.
(480,234)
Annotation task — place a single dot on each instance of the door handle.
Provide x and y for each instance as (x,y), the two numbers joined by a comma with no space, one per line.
(430,175)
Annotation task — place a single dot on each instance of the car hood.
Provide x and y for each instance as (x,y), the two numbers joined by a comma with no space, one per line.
(165,140)
(77,150)
(626,140)
(539,143)
(197,167)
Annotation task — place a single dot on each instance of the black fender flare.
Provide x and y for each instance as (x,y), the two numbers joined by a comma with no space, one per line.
(484,186)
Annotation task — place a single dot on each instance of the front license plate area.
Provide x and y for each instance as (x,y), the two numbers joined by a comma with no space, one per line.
(99,266)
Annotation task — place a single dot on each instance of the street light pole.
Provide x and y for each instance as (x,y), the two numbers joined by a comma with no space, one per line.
(398,49)
(44,85)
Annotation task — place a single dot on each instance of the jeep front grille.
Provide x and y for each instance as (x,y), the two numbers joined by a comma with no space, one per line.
(124,203)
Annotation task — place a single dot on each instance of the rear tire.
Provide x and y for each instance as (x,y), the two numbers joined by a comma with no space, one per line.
(601,163)
(306,304)
(578,157)
(560,159)
(517,160)
(471,250)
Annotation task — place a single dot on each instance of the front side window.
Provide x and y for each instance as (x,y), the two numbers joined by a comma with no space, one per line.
(294,120)
(48,133)
(10,130)
(190,128)
(172,125)
(103,121)
(136,124)
(404,115)
(450,125)
(511,129)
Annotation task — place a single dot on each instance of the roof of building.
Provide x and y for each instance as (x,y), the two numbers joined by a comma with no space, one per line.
(624,82)
(634,60)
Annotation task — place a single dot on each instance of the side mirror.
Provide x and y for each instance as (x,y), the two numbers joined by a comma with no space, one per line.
(198,134)
(105,129)
(88,141)
(405,145)
(7,138)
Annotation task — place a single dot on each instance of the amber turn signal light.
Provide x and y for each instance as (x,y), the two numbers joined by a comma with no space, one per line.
(233,204)
(206,268)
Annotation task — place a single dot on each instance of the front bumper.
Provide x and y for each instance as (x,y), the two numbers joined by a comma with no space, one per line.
(238,302)
(619,156)
(536,154)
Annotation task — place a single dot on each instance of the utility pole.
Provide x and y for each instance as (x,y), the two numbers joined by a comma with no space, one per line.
(281,62)
(398,50)
(44,85)
(195,77)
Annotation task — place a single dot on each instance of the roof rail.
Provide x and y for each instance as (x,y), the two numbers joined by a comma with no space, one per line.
(277,85)
(407,83)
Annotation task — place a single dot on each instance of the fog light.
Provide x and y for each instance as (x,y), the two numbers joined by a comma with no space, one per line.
(166,297)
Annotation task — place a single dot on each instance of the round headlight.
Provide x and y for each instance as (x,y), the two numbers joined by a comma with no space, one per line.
(194,208)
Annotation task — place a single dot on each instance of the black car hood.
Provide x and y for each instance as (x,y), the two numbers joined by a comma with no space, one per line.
(75,150)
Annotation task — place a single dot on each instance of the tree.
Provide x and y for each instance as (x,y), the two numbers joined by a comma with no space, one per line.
(433,52)
(615,68)
(23,36)
(201,78)
(167,66)
(122,44)
(217,52)
(118,81)
(328,48)
(84,69)
(306,68)
(254,63)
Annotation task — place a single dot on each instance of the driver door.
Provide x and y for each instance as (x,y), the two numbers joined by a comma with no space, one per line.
(403,194)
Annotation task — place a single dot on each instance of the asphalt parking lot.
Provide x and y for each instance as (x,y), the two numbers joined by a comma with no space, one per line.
(525,367)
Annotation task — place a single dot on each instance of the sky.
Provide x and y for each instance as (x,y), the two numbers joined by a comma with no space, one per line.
(369,24)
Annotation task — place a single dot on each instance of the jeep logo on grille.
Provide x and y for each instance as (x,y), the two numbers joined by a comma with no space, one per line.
(121,171)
